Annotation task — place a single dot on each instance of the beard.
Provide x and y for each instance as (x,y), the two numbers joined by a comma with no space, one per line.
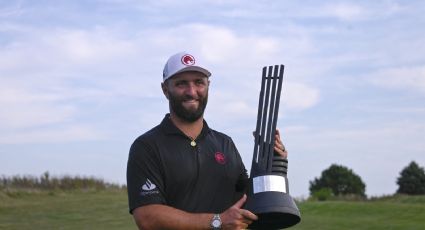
(189,115)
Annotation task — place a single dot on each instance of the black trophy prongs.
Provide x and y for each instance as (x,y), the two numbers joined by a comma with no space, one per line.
(255,166)
(268,109)
(274,111)
(268,191)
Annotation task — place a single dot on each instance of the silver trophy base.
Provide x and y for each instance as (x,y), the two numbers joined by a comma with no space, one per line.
(275,209)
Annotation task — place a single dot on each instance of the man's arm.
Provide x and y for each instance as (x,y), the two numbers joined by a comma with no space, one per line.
(156,216)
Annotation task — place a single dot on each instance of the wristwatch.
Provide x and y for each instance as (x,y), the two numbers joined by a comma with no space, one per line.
(216,222)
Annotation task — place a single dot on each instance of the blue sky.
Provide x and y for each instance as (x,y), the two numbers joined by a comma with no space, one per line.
(80,80)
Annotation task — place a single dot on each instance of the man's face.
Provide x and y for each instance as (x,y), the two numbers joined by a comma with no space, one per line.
(188,95)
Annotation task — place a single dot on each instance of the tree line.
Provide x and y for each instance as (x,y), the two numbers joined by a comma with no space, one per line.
(340,181)
(48,183)
(337,181)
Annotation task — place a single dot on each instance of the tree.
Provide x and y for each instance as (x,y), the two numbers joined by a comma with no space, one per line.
(412,180)
(341,180)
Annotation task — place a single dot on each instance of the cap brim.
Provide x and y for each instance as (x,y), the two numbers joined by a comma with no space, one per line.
(191,68)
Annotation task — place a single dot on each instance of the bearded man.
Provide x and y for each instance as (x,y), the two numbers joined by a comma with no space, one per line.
(182,174)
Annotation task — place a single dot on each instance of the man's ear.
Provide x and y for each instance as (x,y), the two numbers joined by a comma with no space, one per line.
(164,89)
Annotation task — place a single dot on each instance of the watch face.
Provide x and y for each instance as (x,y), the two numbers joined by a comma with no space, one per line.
(216,223)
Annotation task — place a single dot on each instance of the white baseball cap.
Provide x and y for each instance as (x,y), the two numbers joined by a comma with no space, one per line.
(182,62)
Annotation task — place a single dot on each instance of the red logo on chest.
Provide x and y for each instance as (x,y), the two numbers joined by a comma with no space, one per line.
(220,158)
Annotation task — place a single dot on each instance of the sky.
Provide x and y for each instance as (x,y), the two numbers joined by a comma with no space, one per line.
(80,80)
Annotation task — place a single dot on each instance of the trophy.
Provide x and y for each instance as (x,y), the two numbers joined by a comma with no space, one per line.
(268,192)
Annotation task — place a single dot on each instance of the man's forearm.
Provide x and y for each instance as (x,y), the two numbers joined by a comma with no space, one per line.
(157,216)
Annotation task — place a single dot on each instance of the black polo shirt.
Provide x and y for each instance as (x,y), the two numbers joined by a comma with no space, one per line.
(166,167)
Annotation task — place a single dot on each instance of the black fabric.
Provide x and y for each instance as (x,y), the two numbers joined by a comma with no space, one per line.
(163,168)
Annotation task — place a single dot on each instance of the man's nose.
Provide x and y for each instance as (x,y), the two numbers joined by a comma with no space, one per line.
(191,89)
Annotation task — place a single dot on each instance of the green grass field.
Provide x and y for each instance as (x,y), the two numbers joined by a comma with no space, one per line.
(108,210)
(65,210)
(398,213)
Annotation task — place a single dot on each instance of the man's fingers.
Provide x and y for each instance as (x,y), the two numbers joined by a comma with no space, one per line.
(240,202)
(279,145)
(248,215)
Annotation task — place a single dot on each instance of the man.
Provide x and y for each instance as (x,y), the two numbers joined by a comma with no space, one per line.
(182,174)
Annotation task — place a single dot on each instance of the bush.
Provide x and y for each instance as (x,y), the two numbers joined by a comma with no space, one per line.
(411,180)
(48,183)
(322,194)
(340,180)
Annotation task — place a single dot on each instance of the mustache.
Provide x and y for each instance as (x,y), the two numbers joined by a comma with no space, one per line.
(188,98)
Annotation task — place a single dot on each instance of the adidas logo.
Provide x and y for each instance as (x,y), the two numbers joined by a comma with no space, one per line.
(148,186)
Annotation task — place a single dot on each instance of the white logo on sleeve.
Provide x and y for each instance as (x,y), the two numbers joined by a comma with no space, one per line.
(148,186)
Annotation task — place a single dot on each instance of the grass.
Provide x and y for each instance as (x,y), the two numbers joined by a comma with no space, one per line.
(65,210)
(396,212)
(107,209)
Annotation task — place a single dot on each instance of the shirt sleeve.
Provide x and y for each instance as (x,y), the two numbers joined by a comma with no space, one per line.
(242,182)
(145,183)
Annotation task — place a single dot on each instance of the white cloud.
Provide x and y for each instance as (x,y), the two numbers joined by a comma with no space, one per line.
(44,73)
(300,96)
(219,45)
(222,45)
(15,9)
(224,105)
(345,11)
(52,135)
(23,109)
(410,78)
(62,51)
(86,47)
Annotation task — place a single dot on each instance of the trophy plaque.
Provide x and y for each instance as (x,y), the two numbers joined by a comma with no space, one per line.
(268,191)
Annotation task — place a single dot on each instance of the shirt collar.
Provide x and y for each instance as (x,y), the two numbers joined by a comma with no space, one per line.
(169,127)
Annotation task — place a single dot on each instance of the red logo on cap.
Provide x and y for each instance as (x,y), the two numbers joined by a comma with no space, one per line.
(188,59)
(220,158)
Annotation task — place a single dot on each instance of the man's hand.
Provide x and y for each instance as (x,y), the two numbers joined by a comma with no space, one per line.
(279,148)
(237,218)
